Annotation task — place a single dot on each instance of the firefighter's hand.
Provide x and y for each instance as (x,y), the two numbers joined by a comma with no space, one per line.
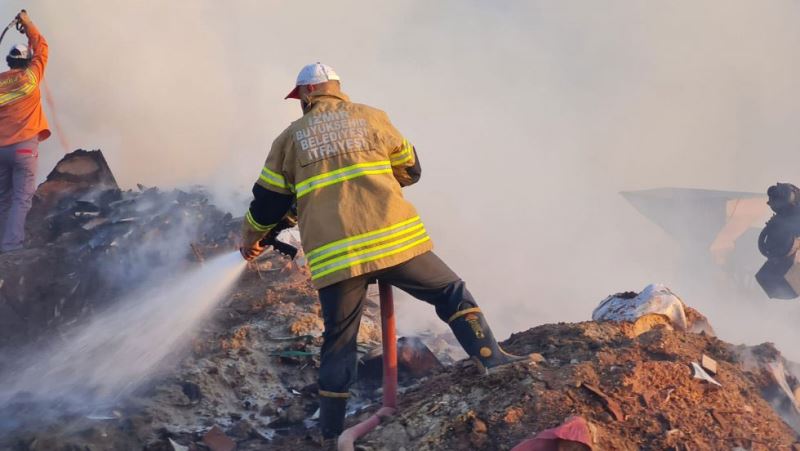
(250,252)
(23,17)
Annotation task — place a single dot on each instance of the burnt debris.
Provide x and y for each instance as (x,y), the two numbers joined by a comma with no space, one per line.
(89,241)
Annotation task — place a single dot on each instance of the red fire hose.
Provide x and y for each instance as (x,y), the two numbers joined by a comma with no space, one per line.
(389,338)
(62,139)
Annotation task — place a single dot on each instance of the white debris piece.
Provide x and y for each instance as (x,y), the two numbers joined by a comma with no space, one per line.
(654,299)
(265,433)
(700,373)
(178,447)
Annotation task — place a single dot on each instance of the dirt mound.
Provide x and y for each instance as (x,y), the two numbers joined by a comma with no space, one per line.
(250,373)
(252,370)
(653,402)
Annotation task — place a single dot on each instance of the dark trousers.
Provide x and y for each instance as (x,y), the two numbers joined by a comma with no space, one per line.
(426,277)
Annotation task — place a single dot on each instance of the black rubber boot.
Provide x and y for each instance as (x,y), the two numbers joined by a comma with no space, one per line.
(473,333)
(329,444)
(331,416)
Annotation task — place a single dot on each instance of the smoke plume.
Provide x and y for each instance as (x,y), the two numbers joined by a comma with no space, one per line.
(529,118)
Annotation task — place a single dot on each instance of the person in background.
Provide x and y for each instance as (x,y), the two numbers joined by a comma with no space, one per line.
(23,126)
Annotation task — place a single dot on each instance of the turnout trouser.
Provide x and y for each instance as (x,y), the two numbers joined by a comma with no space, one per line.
(18,163)
(425,277)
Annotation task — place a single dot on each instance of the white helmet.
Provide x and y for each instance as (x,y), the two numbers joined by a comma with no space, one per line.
(312,74)
(20,52)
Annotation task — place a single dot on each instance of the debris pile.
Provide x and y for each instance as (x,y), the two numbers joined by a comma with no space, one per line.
(633,390)
(250,372)
(90,241)
(250,375)
(647,373)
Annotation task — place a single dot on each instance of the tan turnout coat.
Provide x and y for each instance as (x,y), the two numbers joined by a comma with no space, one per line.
(345,163)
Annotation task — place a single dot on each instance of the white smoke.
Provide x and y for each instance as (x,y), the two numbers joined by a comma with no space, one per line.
(529,117)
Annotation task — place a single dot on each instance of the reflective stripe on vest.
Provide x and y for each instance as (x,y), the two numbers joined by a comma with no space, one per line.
(367,247)
(405,153)
(273,178)
(340,175)
(22,91)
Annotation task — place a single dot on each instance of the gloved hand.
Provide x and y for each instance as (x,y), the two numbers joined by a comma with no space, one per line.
(252,251)
(22,20)
(249,245)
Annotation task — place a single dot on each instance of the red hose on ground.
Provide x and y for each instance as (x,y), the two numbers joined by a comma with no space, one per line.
(389,338)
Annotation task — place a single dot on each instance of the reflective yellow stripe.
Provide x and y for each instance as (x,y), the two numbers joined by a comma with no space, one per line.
(405,148)
(403,161)
(405,154)
(32,75)
(339,171)
(375,257)
(352,247)
(23,91)
(333,394)
(368,250)
(343,179)
(461,313)
(341,175)
(255,225)
(370,254)
(352,239)
(273,178)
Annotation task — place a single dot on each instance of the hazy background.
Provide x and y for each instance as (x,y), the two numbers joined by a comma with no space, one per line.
(529,118)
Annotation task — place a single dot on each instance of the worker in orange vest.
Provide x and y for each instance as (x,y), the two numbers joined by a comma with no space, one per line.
(344,165)
(22,126)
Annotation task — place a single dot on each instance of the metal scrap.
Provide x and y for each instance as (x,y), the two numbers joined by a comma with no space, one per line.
(700,373)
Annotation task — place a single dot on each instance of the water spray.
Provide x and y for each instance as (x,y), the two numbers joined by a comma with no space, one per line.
(118,350)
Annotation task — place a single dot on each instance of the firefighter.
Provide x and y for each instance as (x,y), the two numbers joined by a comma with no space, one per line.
(22,127)
(345,164)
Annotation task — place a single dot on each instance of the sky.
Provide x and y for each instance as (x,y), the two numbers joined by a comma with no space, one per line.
(529,118)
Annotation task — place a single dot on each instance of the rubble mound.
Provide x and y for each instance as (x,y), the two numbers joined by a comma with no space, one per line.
(250,376)
(248,380)
(250,371)
(636,392)
(89,242)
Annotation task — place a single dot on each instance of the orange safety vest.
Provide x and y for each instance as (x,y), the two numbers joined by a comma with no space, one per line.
(21,115)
